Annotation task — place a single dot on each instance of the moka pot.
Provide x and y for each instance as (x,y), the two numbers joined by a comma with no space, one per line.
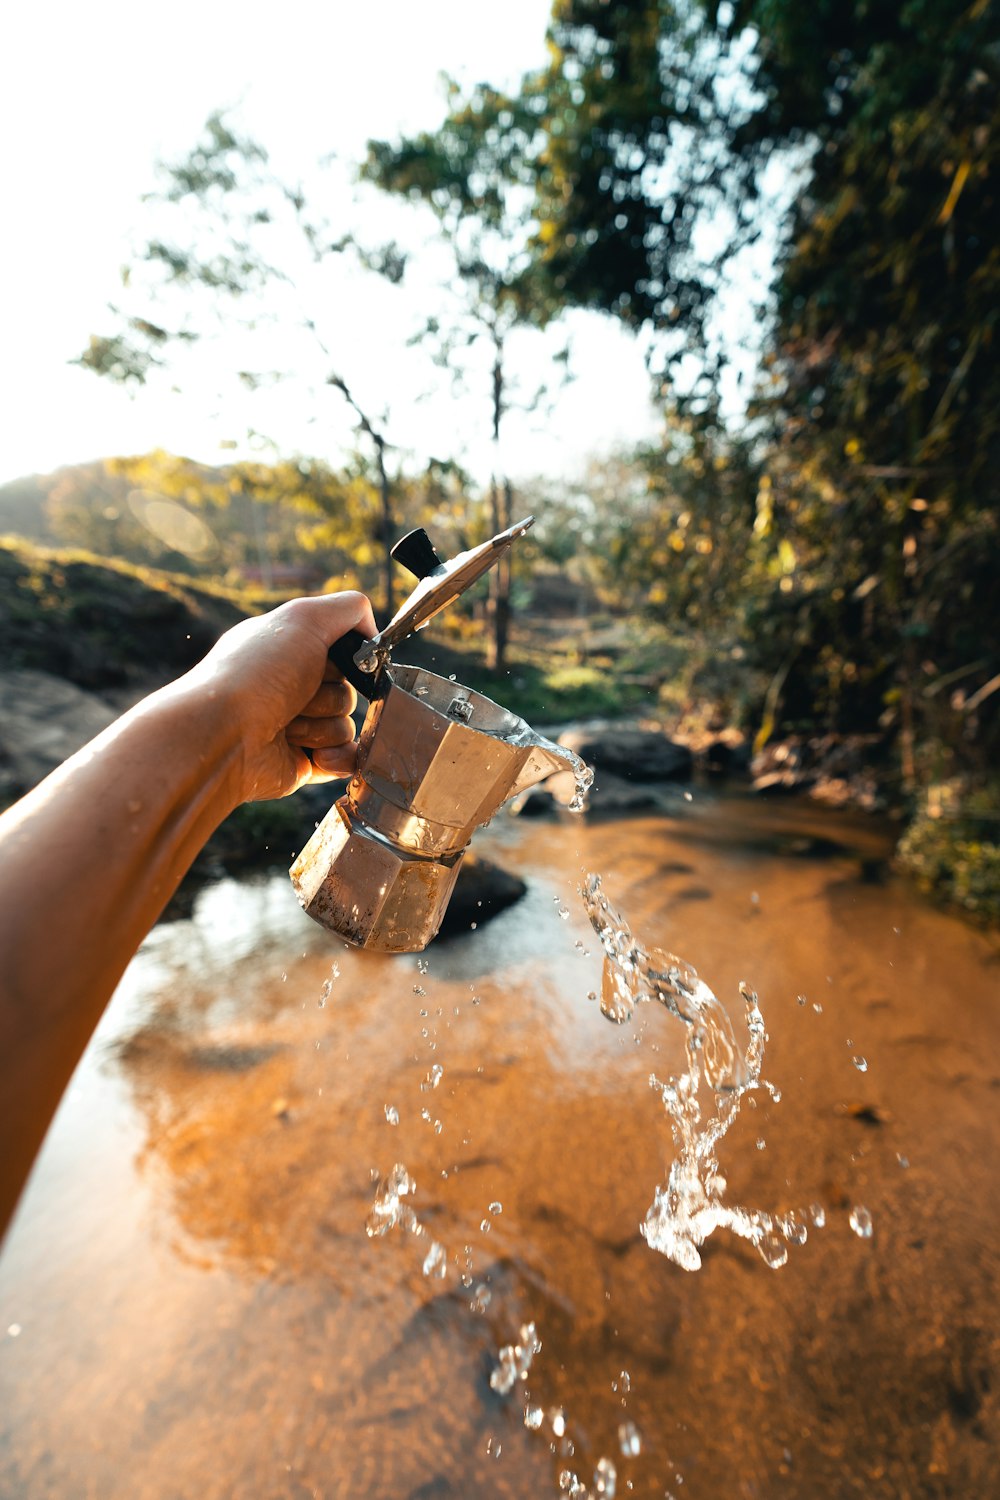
(435,762)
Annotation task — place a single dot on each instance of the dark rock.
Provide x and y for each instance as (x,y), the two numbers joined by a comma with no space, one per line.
(43,720)
(482,891)
(612,796)
(629,752)
(536,803)
(724,758)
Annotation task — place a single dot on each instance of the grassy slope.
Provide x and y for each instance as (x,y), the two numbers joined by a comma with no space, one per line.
(106,625)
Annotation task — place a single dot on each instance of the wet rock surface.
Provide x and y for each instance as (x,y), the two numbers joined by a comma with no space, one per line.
(43,720)
(628,752)
(637,768)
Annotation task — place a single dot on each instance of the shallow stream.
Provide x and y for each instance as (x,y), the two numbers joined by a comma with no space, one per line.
(191,1304)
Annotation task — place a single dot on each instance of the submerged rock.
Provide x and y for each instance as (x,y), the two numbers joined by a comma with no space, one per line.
(482,891)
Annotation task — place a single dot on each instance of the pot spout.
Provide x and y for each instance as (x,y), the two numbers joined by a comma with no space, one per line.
(545,759)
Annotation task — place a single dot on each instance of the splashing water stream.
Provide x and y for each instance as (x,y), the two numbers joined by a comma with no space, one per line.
(689,1207)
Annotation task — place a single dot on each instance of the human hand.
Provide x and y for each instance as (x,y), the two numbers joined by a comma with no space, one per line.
(273,675)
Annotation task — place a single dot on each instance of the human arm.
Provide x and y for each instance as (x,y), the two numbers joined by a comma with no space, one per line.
(91,856)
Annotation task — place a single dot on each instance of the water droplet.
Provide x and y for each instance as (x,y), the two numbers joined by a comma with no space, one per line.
(14,1331)
(591,994)
(452,677)
(773,1251)
(817,1007)
(564,913)
(514,1360)
(557,1421)
(793,1228)
(392,1114)
(533,1417)
(629,1439)
(493,1445)
(485,1226)
(861,1063)
(481,1298)
(496,1207)
(423,965)
(433,1078)
(861,1222)
(904,1161)
(761,1143)
(605,1478)
(818,1214)
(418,989)
(436,1262)
(801,999)
(388,1209)
(625,1382)
(438,1127)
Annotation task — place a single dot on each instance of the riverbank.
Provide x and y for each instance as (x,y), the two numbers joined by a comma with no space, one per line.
(83,638)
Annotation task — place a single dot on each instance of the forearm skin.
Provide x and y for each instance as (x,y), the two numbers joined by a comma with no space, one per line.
(89,860)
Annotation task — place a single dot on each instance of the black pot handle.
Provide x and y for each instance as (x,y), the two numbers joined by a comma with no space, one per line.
(342,653)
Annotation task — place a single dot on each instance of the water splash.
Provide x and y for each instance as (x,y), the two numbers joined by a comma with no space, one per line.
(690,1207)
(436,1262)
(605,1478)
(514,1360)
(583,780)
(389,1207)
(629,1439)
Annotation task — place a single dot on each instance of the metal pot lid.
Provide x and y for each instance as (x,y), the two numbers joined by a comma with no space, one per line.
(440,584)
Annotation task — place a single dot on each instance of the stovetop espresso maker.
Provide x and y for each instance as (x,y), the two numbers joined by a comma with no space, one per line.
(435,762)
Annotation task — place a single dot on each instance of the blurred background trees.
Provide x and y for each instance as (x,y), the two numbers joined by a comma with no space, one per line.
(823,498)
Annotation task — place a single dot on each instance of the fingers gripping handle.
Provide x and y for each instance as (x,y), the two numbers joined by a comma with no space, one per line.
(342,653)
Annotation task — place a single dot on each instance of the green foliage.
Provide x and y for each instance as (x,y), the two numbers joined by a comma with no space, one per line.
(953,852)
(884,386)
(556,691)
(854,541)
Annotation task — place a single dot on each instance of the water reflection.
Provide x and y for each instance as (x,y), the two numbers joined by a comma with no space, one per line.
(201,1310)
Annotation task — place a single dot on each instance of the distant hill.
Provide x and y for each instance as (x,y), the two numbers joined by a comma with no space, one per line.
(162,511)
(23,505)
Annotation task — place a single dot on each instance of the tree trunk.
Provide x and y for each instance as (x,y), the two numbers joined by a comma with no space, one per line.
(387,529)
(500,506)
(498,608)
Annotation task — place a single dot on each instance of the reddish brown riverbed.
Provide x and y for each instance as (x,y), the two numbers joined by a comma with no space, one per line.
(190,1306)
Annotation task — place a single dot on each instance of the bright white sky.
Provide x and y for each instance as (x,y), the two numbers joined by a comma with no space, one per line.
(91,95)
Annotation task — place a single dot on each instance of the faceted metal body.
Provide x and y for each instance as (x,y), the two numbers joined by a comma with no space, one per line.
(435,762)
